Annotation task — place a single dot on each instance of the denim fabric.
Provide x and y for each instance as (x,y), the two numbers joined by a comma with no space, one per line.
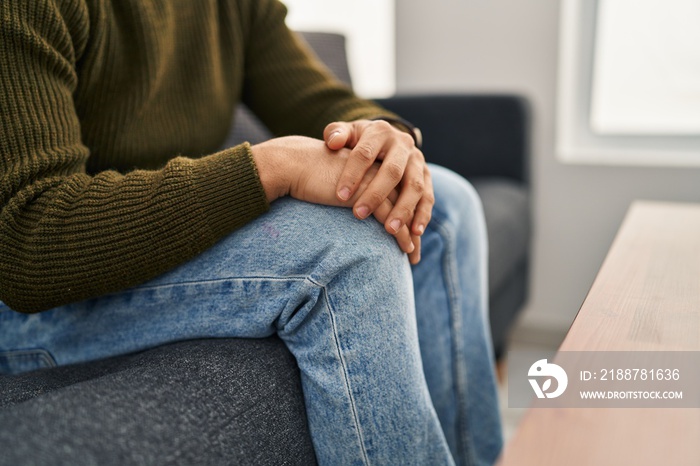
(338,293)
(451,293)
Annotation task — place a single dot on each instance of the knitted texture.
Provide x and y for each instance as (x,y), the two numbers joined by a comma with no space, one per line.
(110,111)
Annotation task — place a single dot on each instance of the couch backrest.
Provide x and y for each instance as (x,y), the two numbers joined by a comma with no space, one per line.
(330,49)
(474,135)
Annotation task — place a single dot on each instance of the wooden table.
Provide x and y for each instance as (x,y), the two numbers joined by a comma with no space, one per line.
(646,297)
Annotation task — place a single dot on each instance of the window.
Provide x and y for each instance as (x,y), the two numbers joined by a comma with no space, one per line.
(629,82)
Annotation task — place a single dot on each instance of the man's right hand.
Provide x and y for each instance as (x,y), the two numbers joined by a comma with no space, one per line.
(306,169)
(302,168)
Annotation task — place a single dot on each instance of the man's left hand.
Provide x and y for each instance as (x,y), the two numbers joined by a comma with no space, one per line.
(402,168)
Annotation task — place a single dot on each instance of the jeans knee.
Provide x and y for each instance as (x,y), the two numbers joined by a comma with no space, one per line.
(367,245)
(359,274)
(337,241)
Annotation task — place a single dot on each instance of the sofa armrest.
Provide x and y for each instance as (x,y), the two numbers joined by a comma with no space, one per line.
(211,401)
(474,135)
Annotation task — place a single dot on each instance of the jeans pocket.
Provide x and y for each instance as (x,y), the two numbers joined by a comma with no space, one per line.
(18,361)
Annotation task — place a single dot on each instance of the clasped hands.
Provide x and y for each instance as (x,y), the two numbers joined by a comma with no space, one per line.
(370,166)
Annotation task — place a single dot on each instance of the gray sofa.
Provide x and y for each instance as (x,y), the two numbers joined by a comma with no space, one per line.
(237,401)
(204,402)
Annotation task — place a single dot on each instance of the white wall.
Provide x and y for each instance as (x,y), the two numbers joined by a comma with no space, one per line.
(511,46)
(368,26)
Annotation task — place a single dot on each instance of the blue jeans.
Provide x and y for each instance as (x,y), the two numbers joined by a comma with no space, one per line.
(396,363)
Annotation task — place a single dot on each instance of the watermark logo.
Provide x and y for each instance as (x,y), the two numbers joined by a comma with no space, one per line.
(551,371)
(603,379)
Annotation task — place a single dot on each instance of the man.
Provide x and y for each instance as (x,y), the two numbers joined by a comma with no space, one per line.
(125,227)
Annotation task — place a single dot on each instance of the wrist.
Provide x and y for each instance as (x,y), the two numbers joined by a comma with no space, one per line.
(273,176)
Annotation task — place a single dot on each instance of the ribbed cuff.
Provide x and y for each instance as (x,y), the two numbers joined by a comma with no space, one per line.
(228,189)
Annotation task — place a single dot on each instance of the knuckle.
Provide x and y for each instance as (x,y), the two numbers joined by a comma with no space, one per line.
(394,170)
(404,212)
(365,152)
(426,215)
(406,138)
(417,185)
(425,209)
(375,198)
(383,126)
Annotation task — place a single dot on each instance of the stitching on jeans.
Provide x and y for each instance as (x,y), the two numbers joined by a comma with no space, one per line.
(215,280)
(345,375)
(315,283)
(459,365)
(42,356)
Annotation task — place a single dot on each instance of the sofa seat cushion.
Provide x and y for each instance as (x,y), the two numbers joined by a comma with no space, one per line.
(506,209)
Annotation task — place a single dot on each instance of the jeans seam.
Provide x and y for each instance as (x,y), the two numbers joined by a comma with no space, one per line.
(145,287)
(46,358)
(353,407)
(449,272)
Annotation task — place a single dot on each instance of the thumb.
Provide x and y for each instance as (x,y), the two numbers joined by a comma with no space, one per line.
(336,135)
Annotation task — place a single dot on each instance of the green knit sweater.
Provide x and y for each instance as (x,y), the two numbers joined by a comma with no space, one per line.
(110,111)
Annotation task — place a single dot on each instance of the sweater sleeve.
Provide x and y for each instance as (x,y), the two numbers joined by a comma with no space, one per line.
(64,235)
(290,90)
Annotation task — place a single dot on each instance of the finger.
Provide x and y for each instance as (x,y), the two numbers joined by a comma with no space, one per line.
(414,257)
(424,209)
(389,176)
(393,196)
(403,236)
(336,134)
(368,143)
(412,190)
